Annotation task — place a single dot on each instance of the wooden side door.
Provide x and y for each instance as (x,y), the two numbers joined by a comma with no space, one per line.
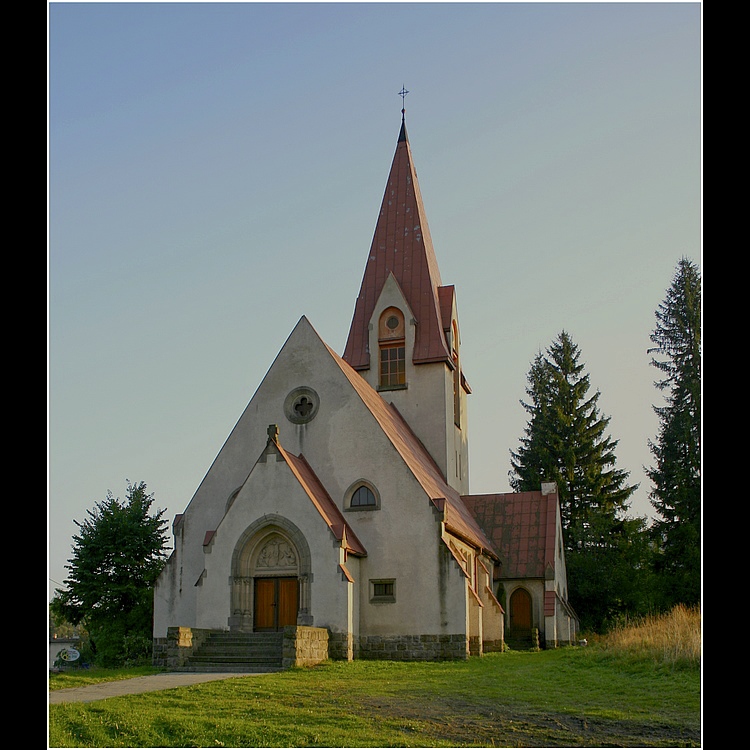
(520,613)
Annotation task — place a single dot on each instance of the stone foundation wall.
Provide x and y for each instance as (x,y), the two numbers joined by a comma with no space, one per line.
(342,646)
(174,650)
(304,646)
(414,647)
(159,652)
(489,646)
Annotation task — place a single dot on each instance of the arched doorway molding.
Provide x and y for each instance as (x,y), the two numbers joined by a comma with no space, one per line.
(274,547)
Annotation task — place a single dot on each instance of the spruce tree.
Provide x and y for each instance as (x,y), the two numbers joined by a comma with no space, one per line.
(565,442)
(676,475)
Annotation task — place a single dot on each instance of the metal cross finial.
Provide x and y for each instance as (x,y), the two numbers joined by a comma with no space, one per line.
(403,94)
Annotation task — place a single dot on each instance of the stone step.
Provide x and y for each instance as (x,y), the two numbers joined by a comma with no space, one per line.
(233,667)
(271,659)
(240,648)
(520,644)
(237,652)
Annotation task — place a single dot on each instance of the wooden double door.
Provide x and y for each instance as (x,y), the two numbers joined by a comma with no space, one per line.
(276,603)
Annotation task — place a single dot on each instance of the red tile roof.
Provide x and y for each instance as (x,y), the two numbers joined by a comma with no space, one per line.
(402,246)
(322,501)
(522,527)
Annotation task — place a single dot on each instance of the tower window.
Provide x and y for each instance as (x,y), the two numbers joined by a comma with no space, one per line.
(391,339)
(392,365)
(456,378)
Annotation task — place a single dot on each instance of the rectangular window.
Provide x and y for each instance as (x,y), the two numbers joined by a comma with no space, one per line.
(456,393)
(383,590)
(392,365)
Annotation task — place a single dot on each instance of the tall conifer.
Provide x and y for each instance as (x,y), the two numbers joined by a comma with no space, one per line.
(565,441)
(676,475)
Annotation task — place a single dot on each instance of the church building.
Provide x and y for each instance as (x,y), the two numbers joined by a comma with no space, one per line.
(339,504)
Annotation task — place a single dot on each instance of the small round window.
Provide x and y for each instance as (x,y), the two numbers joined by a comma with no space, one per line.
(301,405)
(391,324)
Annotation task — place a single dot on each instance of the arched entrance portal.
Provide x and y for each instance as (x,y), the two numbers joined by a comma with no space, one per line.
(270,577)
(520,614)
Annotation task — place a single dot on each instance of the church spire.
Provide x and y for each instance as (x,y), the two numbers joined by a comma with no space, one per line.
(401,246)
(402,135)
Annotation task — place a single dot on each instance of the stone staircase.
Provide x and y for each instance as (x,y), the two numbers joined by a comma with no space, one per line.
(524,641)
(237,652)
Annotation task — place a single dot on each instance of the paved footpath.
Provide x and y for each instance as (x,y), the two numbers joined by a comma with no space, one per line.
(134,685)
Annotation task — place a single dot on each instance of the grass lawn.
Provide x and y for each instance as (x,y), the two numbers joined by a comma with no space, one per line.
(570,697)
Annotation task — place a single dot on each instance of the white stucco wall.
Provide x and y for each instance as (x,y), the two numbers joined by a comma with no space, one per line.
(343,444)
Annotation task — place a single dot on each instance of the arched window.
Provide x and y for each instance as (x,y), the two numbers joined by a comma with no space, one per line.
(391,340)
(361,496)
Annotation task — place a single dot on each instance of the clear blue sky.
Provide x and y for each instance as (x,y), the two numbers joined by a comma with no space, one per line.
(216,170)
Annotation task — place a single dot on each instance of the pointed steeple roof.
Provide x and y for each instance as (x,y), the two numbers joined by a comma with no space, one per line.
(401,245)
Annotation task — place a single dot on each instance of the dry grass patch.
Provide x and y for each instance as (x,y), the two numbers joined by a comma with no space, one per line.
(672,639)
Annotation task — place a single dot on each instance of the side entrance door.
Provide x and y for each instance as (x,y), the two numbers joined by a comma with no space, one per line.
(520,614)
(276,603)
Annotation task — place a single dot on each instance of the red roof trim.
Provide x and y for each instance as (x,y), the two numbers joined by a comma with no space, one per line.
(345,572)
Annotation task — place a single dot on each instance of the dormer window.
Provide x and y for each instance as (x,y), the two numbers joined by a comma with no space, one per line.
(391,340)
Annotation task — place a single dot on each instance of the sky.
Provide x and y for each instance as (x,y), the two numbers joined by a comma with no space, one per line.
(215,172)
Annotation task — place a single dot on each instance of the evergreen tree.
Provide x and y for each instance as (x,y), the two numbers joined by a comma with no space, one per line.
(117,557)
(676,476)
(565,443)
